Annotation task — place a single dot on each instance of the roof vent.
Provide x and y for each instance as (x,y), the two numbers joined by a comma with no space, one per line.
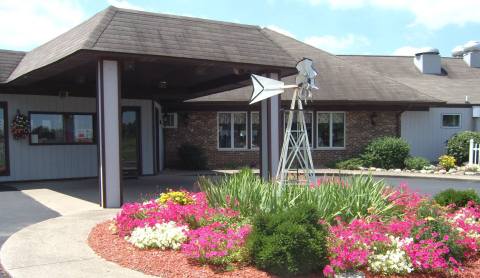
(471,54)
(427,60)
(458,51)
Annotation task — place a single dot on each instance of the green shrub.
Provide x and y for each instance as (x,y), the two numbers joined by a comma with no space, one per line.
(349,197)
(350,164)
(458,144)
(192,157)
(458,197)
(416,163)
(289,243)
(386,152)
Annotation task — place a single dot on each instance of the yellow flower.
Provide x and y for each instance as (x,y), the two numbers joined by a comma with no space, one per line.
(429,218)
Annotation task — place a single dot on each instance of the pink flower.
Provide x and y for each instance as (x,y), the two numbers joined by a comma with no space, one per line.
(328,271)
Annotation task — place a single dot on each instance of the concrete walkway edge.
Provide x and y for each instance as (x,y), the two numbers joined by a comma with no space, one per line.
(58,248)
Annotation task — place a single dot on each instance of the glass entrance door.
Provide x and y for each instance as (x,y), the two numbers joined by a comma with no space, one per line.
(130,148)
(4,159)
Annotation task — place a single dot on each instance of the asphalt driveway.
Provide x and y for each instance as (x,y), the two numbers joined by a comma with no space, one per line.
(17,211)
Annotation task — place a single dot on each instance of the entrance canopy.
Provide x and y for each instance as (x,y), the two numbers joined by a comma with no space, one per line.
(161,57)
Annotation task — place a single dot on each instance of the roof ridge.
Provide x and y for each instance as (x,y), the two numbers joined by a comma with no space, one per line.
(189,18)
(106,19)
(278,45)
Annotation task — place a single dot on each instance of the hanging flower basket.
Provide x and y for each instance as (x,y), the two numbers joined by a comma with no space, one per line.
(20,126)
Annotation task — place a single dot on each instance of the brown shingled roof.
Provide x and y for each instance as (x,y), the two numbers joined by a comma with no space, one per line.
(457,81)
(136,32)
(8,61)
(338,80)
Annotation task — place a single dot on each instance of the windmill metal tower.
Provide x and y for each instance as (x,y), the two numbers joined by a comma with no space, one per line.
(296,153)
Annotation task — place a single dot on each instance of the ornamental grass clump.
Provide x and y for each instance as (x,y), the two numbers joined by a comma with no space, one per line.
(349,198)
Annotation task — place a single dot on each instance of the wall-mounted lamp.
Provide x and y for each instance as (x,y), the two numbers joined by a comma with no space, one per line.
(373,118)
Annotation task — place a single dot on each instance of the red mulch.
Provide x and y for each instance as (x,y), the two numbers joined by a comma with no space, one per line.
(155,262)
(174,264)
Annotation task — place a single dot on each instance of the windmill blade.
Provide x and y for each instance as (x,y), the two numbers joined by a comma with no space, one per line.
(264,88)
(306,73)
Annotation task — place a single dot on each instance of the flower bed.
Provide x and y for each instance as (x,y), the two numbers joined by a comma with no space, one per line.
(291,232)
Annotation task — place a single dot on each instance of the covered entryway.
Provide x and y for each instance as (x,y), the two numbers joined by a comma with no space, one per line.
(119,56)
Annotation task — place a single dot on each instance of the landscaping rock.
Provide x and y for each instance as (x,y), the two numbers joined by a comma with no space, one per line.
(469,173)
(372,169)
(397,170)
(443,171)
(423,171)
(379,170)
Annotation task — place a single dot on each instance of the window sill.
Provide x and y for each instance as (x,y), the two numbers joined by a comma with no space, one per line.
(330,149)
(63,144)
(236,150)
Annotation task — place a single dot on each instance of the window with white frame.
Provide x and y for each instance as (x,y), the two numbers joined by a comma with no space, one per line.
(255,130)
(451,120)
(232,130)
(330,129)
(170,120)
(308,122)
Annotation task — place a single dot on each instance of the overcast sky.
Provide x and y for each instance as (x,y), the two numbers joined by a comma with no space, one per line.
(382,27)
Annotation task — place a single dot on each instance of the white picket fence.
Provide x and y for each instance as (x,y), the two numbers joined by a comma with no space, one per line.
(474,153)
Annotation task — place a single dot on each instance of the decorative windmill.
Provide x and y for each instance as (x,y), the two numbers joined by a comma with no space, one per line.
(296,153)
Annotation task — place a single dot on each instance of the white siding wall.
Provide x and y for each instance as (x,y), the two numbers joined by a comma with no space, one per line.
(32,162)
(423,130)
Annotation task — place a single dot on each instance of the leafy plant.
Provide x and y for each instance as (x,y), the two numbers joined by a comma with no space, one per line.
(350,198)
(416,163)
(437,228)
(459,198)
(289,243)
(447,162)
(350,164)
(386,152)
(458,144)
(192,157)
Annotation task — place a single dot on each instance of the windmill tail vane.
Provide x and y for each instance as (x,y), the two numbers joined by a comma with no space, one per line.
(295,165)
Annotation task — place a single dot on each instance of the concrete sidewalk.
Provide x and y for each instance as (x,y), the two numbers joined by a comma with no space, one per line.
(58,248)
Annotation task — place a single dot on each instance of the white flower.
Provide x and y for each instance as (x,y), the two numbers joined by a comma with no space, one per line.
(163,236)
(393,261)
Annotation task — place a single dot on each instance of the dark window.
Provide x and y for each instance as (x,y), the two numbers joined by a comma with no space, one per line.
(451,120)
(61,128)
(170,120)
(255,133)
(4,159)
(232,130)
(331,129)
(295,123)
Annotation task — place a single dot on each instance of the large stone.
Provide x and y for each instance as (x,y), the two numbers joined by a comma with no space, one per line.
(350,274)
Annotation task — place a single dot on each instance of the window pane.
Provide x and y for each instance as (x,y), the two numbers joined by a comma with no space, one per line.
(3,155)
(309,124)
(83,128)
(451,120)
(255,129)
(338,128)
(240,130)
(47,129)
(323,129)
(224,130)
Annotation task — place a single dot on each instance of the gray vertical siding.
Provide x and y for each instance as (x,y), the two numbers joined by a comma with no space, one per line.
(424,132)
(34,162)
